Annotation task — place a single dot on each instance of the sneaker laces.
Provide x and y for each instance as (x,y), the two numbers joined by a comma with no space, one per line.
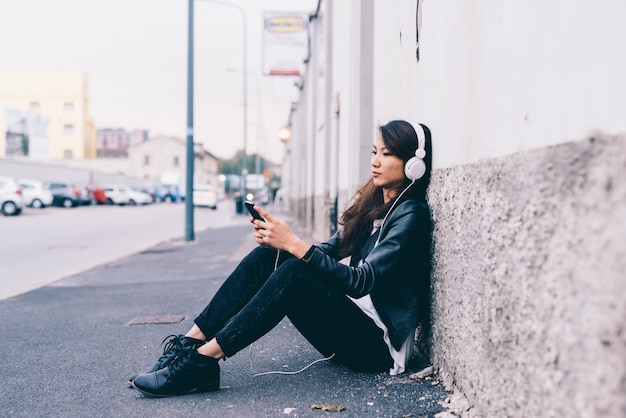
(174,344)
(180,360)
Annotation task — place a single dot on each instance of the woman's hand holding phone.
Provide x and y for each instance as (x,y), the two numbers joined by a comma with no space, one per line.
(259,233)
(276,233)
(252,210)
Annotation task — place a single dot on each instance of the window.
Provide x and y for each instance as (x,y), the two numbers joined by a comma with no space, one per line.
(146,160)
(176,161)
(68,107)
(68,130)
(68,154)
(34,106)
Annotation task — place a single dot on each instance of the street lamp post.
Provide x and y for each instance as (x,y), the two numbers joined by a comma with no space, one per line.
(258,113)
(189,227)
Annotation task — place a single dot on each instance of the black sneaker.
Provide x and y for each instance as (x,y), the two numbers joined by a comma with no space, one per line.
(188,372)
(173,347)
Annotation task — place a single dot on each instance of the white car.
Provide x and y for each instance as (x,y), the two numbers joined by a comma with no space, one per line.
(10,197)
(35,194)
(137,197)
(117,194)
(204,195)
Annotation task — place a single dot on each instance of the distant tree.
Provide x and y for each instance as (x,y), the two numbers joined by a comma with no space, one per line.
(233,164)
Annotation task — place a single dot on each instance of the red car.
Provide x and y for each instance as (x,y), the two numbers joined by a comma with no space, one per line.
(98,194)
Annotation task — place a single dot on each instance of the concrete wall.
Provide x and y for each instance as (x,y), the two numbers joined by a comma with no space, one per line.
(495,78)
(529,281)
(160,153)
(525,103)
(63,173)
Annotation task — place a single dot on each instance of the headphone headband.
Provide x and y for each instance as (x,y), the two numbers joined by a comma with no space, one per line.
(415,168)
(420,152)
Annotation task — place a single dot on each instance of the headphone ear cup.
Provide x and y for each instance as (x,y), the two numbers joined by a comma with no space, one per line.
(415,168)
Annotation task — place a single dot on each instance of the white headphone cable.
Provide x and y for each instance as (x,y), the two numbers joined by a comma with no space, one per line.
(333,355)
(276,261)
(299,371)
(390,209)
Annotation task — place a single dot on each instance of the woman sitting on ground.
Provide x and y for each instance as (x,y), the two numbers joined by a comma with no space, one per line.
(363,314)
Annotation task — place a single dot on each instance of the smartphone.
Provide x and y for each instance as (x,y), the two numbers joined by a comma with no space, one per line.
(252,211)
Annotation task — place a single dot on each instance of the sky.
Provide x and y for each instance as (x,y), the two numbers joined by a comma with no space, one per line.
(134,53)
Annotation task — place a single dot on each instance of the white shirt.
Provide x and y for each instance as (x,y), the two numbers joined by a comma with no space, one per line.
(400,357)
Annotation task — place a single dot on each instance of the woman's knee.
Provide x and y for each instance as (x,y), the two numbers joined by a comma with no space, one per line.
(259,258)
(293,264)
(294,270)
(291,276)
(261,252)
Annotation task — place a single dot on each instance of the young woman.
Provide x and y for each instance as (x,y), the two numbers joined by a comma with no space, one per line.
(363,314)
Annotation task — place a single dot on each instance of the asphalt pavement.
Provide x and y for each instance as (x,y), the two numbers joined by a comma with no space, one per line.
(68,348)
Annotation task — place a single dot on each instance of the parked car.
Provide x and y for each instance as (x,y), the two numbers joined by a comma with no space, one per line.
(10,197)
(137,197)
(86,193)
(204,195)
(170,193)
(152,191)
(117,194)
(35,193)
(97,193)
(68,195)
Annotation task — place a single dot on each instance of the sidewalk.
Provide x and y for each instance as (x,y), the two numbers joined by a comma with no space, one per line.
(69,347)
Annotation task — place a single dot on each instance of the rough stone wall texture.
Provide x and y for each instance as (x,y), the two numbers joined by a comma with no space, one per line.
(529,282)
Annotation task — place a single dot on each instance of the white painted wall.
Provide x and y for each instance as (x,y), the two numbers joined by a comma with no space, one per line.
(344,35)
(495,78)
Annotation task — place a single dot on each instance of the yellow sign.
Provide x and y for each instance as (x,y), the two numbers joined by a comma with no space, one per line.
(284,24)
(285,43)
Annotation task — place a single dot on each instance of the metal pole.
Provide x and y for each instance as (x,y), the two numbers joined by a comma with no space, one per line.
(258,126)
(189,228)
(244,157)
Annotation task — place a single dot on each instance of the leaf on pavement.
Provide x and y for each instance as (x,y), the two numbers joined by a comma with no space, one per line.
(332,408)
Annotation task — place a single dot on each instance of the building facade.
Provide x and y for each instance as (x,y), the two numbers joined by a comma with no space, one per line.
(44,115)
(114,142)
(162,160)
(525,104)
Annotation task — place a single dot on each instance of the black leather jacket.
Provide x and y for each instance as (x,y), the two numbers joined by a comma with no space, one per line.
(396,272)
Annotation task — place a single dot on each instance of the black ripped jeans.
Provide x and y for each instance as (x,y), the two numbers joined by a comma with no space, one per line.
(255,298)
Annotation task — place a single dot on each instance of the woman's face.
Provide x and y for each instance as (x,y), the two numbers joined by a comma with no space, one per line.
(387,169)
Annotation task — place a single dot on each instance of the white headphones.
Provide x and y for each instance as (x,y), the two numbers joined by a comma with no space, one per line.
(415,168)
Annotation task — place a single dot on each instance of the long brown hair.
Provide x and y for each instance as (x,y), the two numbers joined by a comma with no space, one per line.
(401,140)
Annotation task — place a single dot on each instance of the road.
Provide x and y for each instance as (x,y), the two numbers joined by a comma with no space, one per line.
(44,245)
(73,344)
